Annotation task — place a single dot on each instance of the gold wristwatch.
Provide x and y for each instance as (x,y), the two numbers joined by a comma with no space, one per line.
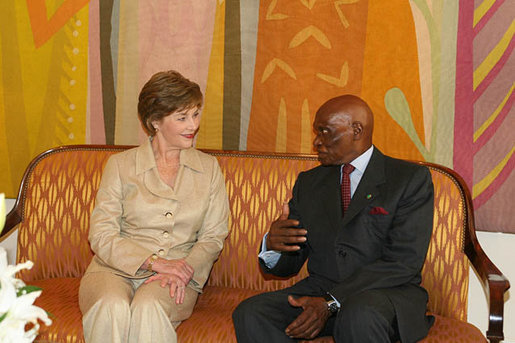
(153,259)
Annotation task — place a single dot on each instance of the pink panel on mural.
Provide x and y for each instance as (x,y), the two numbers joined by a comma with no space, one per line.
(95,108)
(174,35)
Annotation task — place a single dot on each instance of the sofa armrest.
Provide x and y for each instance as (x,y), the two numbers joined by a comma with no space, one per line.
(495,285)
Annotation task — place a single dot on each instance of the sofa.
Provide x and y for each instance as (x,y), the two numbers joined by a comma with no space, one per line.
(56,197)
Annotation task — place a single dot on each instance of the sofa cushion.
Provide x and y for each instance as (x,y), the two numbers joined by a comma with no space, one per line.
(446,329)
(211,317)
(60,298)
(211,320)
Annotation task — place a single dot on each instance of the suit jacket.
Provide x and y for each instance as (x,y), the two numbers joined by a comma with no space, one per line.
(368,248)
(136,214)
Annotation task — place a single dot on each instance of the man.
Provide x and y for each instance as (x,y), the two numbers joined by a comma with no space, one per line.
(364,260)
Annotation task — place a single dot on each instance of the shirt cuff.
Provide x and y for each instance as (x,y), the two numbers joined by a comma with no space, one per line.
(269,257)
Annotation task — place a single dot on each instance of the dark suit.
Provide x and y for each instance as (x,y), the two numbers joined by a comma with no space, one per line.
(366,250)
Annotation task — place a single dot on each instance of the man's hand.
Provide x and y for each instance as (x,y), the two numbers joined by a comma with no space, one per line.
(311,321)
(283,234)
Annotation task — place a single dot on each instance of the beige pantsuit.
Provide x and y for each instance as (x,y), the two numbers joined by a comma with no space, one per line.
(136,215)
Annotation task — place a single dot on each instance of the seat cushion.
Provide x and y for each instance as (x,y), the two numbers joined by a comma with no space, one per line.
(452,330)
(60,299)
(211,320)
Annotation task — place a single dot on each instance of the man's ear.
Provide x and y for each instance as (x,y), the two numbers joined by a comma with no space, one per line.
(357,129)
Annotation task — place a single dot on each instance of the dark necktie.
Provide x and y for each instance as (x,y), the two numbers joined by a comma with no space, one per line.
(347,169)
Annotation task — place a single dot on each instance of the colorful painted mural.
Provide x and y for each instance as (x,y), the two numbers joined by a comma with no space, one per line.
(439,76)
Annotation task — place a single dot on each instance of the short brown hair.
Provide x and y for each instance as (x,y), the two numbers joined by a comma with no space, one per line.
(165,93)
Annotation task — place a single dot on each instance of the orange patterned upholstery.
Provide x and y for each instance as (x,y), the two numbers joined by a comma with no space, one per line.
(62,302)
(452,330)
(256,187)
(57,196)
(446,270)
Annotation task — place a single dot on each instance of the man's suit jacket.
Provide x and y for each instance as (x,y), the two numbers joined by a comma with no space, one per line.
(380,243)
(136,214)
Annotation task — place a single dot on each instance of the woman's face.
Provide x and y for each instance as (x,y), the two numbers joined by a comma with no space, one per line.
(178,129)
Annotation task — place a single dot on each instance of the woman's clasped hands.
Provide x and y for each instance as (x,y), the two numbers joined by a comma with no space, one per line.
(175,273)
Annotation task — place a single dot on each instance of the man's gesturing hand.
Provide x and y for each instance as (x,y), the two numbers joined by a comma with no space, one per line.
(311,321)
(283,234)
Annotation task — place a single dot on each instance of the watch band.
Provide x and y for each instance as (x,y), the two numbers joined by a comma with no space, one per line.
(332,304)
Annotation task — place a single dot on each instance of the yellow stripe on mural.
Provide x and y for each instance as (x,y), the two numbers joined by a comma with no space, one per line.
(488,179)
(210,135)
(127,127)
(55,81)
(481,10)
(493,57)
(280,138)
(6,184)
(494,115)
(46,81)
(75,84)
(306,129)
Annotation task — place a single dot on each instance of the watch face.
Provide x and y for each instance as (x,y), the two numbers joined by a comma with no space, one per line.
(332,306)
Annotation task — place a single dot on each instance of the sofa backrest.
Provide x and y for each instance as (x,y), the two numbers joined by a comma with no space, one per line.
(57,196)
(59,187)
(445,274)
(257,185)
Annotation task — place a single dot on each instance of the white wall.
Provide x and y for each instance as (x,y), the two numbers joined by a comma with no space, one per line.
(498,246)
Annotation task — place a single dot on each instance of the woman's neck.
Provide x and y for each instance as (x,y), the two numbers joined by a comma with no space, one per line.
(164,154)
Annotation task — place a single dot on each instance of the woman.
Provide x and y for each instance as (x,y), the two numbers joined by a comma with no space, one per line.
(159,223)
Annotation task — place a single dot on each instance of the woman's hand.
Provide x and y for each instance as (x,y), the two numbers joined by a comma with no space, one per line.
(177,287)
(179,268)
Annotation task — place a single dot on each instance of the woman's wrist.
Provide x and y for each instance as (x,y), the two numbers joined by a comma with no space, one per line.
(151,263)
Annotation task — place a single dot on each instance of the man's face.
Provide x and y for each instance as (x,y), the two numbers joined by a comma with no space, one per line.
(334,137)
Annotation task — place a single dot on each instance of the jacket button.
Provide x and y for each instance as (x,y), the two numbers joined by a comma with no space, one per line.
(168,214)
(161,252)
(165,234)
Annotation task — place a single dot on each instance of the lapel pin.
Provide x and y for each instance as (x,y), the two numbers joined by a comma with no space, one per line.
(369,196)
